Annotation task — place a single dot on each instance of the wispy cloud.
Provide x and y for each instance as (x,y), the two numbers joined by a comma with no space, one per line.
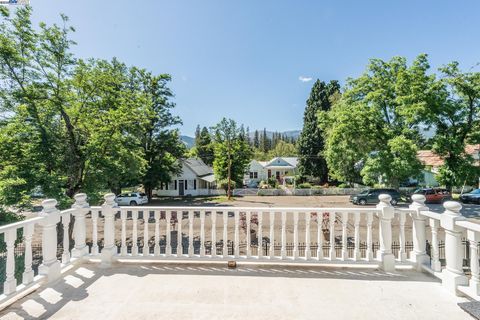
(305,79)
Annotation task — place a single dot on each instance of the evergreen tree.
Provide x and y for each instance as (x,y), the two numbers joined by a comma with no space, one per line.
(311,144)
(256,139)
(205,147)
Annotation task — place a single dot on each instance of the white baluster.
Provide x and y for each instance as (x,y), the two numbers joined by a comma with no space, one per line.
(109,208)
(168,221)
(123,218)
(179,234)
(213,217)
(295,235)
(319,235)
(66,240)
(419,254)
(402,254)
(452,275)
(134,233)
(190,233)
(283,251)
(271,249)
(10,284)
(156,247)
(225,234)
(236,234)
(356,253)
(344,235)
(308,254)
(146,238)
(28,273)
(369,251)
(50,266)
(202,233)
(94,232)
(474,283)
(248,216)
(260,235)
(332,253)
(435,264)
(81,207)
(385,213)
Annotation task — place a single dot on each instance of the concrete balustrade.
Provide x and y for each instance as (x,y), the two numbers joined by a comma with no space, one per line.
(287,233)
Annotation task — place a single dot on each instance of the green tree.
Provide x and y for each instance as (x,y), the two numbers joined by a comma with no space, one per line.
(75,125)
(455,116)
(373,128)
(310,144)
(232,153)
(283,149)
(204,146)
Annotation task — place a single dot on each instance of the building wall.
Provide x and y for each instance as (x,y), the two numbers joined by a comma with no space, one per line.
(255,166)
(187,174)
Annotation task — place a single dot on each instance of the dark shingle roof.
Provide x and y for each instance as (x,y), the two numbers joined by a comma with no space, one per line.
(198,167)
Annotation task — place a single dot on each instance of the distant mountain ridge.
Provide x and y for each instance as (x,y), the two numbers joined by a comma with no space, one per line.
(190,142)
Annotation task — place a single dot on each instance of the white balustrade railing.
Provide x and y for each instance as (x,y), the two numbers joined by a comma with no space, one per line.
(247,234)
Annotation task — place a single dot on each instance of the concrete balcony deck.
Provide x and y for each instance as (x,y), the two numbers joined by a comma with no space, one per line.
(251,291)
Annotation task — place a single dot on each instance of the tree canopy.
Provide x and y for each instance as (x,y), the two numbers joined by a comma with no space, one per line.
(71,125)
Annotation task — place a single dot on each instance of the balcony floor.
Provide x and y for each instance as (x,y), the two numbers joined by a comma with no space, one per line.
(209,291)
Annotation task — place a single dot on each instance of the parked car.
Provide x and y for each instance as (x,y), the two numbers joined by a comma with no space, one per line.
(131,199)
(434,195)
(371,196)
(471,197)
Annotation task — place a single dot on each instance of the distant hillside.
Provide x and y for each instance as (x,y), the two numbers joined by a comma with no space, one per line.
(290,134)
(189,141)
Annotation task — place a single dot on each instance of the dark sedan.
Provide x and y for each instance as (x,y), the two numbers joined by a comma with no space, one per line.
(471,197)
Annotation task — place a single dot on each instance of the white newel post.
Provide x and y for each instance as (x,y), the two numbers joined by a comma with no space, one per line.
(108,210)
(50,266)
(81,207)
(385,216)
(473,238)
(452,275)
(419,225)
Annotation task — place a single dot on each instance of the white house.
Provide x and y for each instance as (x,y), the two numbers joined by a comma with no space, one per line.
(195,179)
(279,168)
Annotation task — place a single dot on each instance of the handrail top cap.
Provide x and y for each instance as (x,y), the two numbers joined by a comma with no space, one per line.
(418,198)
(80,197)
(453,206)
(49,204)
(109,197)
(385,197)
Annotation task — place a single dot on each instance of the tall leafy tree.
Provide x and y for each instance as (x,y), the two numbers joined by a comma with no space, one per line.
(232,153)
(75,125)
(373,130)
(310,144)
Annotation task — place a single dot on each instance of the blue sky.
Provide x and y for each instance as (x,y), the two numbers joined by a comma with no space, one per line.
(246,59)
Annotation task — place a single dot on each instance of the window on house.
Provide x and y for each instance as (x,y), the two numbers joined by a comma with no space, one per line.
(253,174)
(191,184)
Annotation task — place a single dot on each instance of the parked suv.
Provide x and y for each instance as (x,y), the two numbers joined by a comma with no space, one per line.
(471,197)
(371,196)
(131,199)
(434,195)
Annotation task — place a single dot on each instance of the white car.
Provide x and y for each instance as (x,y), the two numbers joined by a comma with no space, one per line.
(131,199)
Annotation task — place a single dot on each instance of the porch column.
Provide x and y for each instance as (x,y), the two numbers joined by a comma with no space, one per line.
(452,275)
(51,216)
(108,211)
(385,216)
(79,229)
(419,254)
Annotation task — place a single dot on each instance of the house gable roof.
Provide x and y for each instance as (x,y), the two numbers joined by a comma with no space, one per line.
(430,158)
(198,167)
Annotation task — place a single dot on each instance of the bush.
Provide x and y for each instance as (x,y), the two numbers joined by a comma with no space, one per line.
(272,182)
(343,185)
(305,185)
